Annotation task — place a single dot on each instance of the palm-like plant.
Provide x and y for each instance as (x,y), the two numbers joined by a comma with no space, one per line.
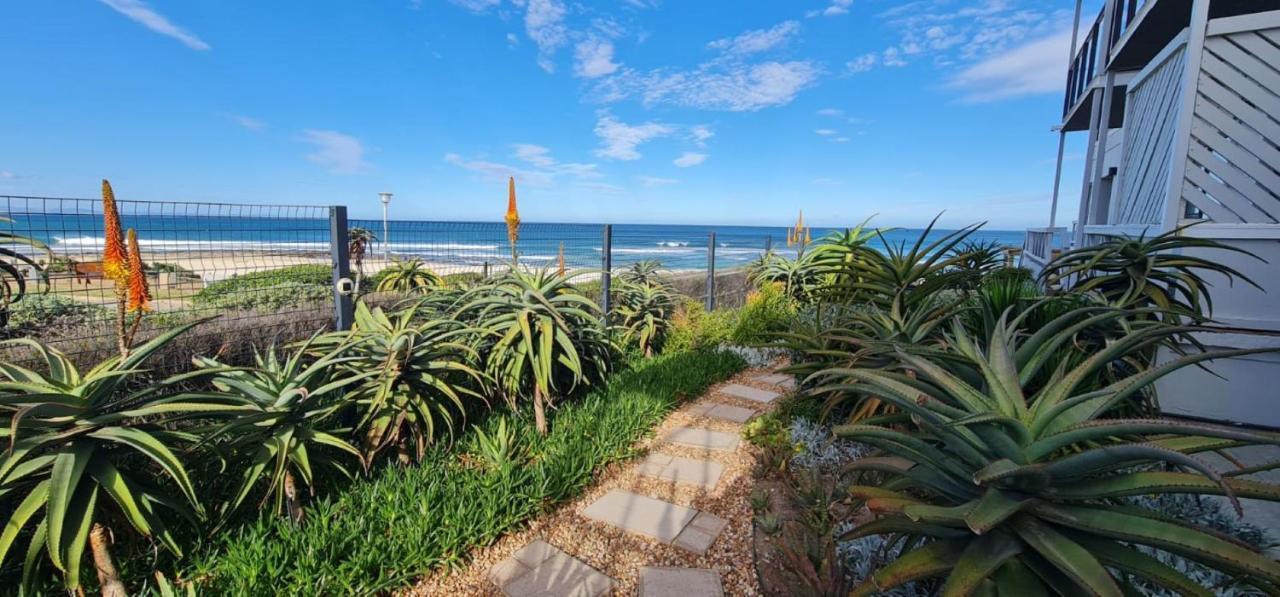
(998,484)
(282,427)
(909,276)
(74,441)
(1146,273)
(424,376)
(646,272)
(977,259)
(644,313)
(13,283)
(800,277)
(358,239)
(409,276)
(547,337)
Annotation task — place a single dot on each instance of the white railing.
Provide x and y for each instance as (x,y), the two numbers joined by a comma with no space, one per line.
(1042,245)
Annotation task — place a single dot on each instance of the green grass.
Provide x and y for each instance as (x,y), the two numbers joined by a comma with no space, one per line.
(295,279)
(384,532)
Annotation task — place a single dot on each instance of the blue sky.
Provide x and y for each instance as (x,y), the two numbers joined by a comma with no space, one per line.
(656,111)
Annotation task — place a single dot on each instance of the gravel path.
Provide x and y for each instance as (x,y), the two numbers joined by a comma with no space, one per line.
(620,554)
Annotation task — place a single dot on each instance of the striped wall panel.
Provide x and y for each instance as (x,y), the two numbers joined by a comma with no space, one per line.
(1233,159)
(1151,124)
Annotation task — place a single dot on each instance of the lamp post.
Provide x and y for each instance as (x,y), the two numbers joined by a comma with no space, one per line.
(386,232)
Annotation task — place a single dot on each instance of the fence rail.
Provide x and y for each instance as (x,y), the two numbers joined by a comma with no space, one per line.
(272,273)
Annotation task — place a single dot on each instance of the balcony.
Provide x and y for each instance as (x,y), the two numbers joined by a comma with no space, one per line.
(1140,29)
(1042,245)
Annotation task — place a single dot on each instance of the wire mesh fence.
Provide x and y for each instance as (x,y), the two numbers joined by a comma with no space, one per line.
(264,274)
(262,270)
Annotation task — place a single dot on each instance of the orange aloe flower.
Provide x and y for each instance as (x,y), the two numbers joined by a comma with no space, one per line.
(114,258)
(139,292)
(561,258)
(513,216)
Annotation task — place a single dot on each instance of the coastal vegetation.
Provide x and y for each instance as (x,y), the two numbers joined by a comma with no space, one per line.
(1005,435)
(959,426)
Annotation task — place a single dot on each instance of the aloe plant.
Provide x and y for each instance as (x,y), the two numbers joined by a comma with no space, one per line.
(424,377)
(1147,273)
(13,283)
(408,276)
(644,313)
(547,338)
(999,485)
(282,427)
(646,272)
(908,274)
(74,441)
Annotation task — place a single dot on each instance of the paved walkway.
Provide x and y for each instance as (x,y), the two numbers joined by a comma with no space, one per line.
(674,523)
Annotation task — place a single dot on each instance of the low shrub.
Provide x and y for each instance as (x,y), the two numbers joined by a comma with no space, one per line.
(37,311)
(275,298)
(306,282)
(768,311)
(405,521)
(693,328)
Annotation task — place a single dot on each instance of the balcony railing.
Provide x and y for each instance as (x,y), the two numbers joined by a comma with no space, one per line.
(1041,246)
(1085,64)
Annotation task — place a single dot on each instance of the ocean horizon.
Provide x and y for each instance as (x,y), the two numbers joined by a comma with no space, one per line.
(677,246)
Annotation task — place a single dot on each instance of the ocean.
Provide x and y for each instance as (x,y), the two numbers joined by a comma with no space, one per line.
(306,231)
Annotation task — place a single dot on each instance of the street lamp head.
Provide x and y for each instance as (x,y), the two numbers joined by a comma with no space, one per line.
(385,197)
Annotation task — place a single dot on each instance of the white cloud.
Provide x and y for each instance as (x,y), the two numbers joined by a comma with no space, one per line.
(473,5)
(700,134)
(893,57)
(7,175)
(825,132)
(500,171)
(534,154)
(336,152)
(758,40)
(840,140)
(139,12)
(544,24)
(620,139)
(831,112)
(594,58)
(716,85)
(248,122)
(602,186)
(1033,68)
(543,169)
(513,40)
(862,63)
(689,159)
(654,181)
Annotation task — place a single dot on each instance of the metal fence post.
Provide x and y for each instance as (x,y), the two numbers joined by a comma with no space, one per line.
(343,303)
(606,269)
(768,243)
(711,271)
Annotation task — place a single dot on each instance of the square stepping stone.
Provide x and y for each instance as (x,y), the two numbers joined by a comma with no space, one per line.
(705,473)
(679,582)
(641,514)
(697,437)
(541,569)
(749,393)
(701,533)
(777,379)
(725,412)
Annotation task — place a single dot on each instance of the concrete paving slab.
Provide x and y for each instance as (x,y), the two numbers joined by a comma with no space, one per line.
(697,437)
(705,473)
(733,414)
(679,582)
(701,533)
(541,570)
(749,393)
(641,514)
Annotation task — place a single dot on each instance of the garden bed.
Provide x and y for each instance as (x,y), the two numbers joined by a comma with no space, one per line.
(380,534)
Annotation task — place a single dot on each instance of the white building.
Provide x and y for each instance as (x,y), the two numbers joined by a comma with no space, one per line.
(1181,103)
